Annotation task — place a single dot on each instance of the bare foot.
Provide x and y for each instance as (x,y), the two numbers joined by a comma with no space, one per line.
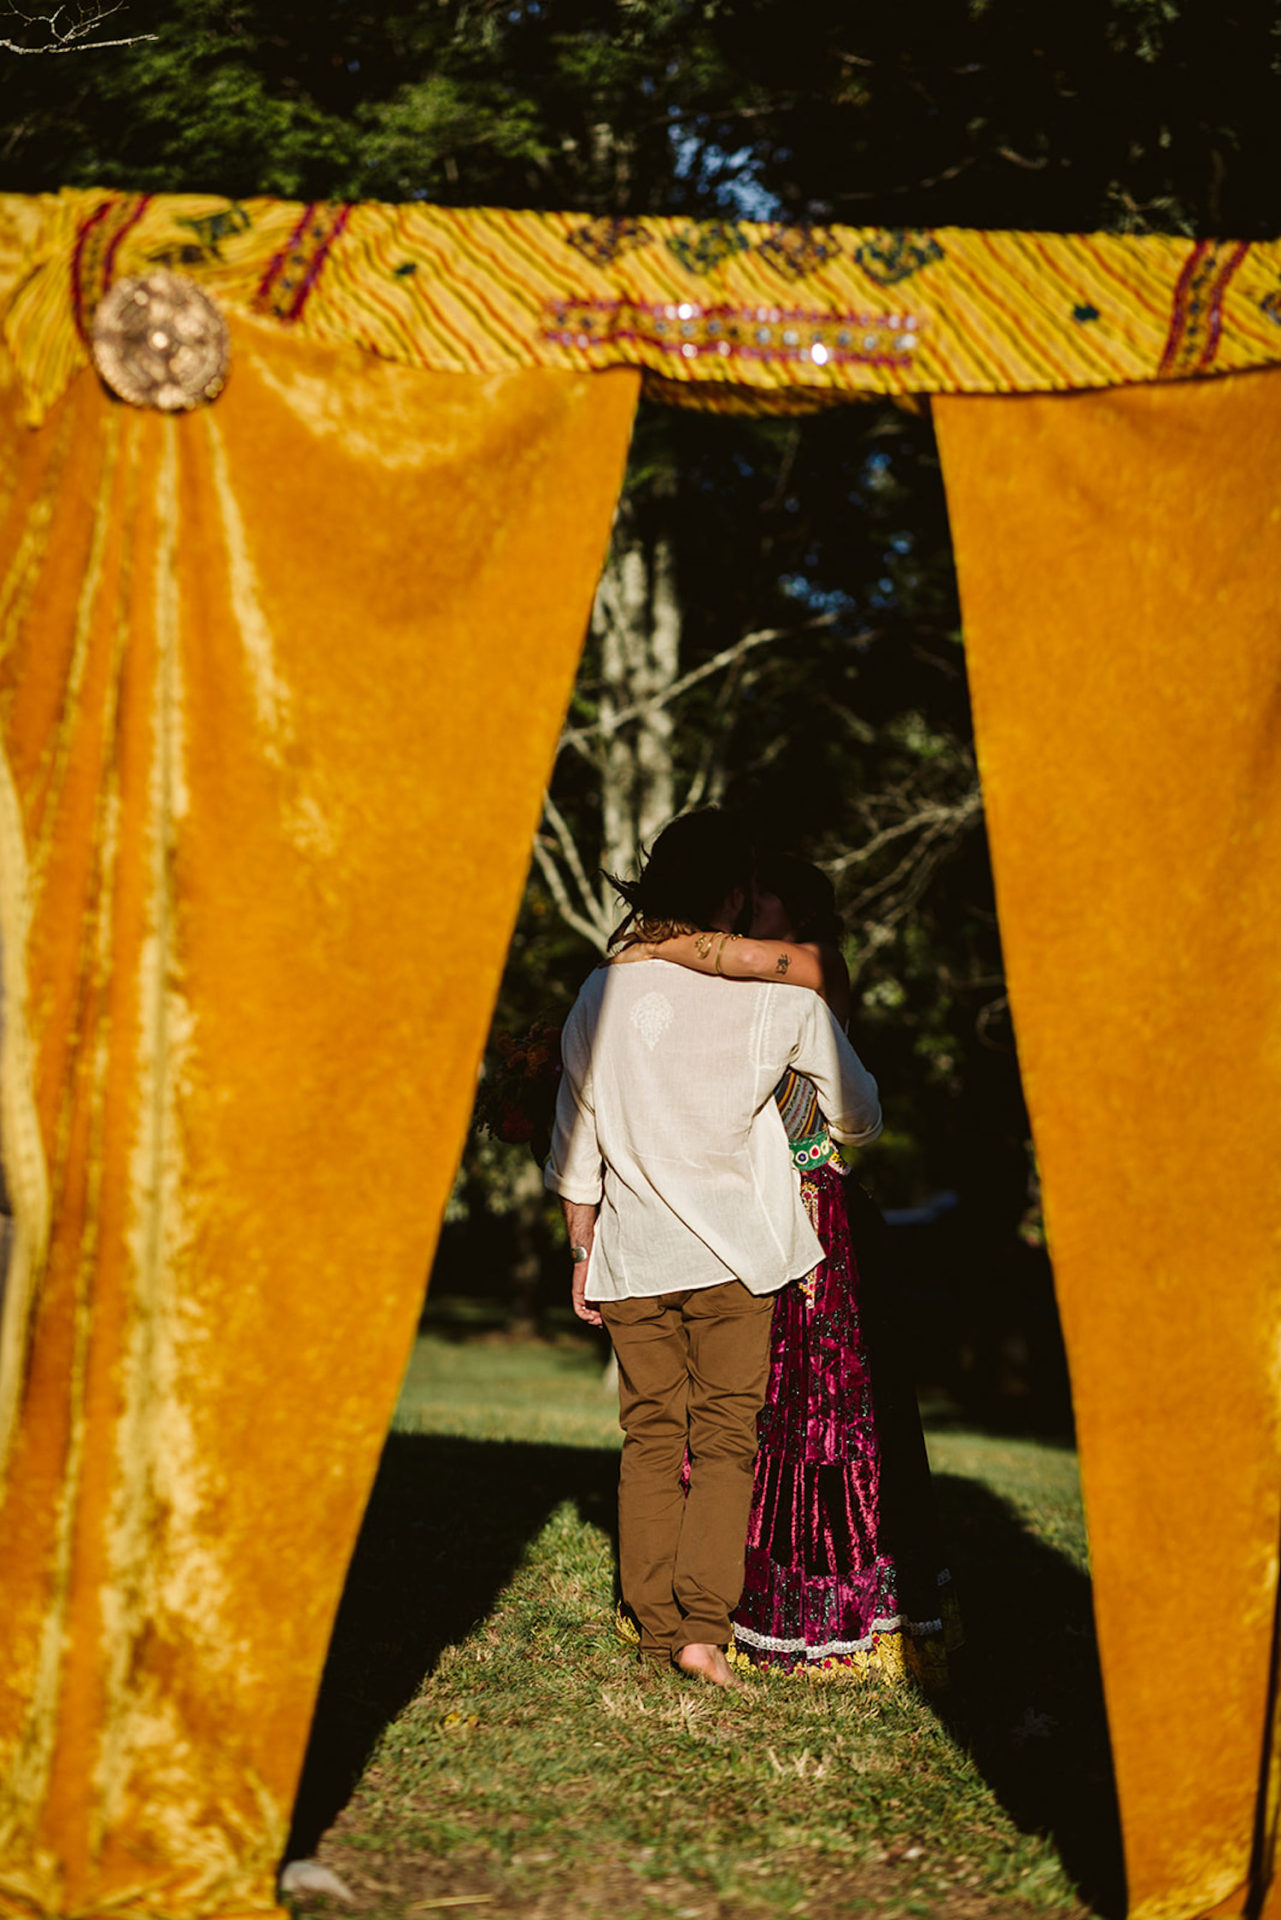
(707,1663)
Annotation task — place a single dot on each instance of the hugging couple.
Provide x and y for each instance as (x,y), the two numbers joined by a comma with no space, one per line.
(774,1506)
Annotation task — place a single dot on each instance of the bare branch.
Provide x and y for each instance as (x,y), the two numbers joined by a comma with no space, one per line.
(913,186)
(893,897)
(1021,160)
(569,853)
(67,30)
(709,776)
(87,46)
(986,1019)
(938,817)
(568,912)
(575,736)
(880,932)
(578,742)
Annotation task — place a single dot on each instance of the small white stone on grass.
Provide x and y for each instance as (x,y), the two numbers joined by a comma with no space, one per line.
(308,1876)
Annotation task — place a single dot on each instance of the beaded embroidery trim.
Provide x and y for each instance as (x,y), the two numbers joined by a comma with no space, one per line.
(895,1623)
(773,336)
(769,1643)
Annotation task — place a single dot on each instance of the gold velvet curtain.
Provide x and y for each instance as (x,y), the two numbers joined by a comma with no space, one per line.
(1120,569)
(279,687)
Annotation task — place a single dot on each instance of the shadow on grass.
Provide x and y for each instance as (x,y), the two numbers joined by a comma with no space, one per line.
(450,1518)
(447,1523)
(1028,1695)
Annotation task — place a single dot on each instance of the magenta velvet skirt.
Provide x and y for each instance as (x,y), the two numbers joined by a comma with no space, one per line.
(842,1574)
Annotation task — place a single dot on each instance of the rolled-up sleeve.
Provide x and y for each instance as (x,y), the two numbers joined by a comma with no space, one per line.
(574,1167)
(846,1090)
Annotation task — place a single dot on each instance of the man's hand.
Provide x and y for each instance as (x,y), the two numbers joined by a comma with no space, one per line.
(581,1306)
(580,1225)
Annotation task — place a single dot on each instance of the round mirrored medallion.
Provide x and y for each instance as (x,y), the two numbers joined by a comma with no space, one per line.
(159,341)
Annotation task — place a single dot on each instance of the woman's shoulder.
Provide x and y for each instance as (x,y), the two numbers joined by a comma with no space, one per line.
(836,978)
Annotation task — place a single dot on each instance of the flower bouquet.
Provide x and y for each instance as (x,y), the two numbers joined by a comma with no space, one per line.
(517,1098)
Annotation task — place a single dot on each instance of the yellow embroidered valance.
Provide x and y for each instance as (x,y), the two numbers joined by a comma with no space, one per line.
(717,313)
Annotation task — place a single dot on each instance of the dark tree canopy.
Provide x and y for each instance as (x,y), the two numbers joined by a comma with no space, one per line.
(1135,114)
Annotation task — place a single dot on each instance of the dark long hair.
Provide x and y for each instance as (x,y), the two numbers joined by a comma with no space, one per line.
(807,895)
(696,862)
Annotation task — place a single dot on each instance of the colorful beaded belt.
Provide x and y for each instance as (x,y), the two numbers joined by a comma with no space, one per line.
(815,1151)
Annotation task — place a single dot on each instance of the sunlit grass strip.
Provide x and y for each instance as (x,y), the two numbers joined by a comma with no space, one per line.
(540,1772)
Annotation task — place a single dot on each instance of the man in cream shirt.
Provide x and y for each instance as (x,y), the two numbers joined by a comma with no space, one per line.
(685,1218)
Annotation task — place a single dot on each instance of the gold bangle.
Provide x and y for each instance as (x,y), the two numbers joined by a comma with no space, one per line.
(703,944)
(720,951)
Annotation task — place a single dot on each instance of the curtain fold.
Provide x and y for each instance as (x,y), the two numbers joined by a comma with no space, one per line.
(1119,557)
(280,683)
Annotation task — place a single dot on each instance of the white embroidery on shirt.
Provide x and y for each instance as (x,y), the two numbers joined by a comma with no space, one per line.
(651,1017)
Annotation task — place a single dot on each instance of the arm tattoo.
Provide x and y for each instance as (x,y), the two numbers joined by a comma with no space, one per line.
(782,964)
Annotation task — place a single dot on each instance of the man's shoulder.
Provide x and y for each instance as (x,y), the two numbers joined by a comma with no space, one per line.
(589,994)
(741,1006)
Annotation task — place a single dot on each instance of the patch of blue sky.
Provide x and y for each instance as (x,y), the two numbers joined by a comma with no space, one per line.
(732,177)
(816,600)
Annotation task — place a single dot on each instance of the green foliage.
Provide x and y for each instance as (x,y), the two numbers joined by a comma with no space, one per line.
(443,116)
(563,104)
(1132,113)
(200,108)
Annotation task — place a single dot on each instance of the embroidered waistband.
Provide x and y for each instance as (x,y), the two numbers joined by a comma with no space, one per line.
(815,1151)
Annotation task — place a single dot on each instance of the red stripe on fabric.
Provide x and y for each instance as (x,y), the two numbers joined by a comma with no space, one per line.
(1090,347)
(322,254)
(434,255)
(385,328)
(1019,332)
(1178,316)
(1226,272)
(1130,288)
(277,261)
(972,337)
(512,230)
(471,293)
(110,260)
(77,295)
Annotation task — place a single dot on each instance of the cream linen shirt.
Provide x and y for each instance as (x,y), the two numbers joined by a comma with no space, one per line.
(666,1120)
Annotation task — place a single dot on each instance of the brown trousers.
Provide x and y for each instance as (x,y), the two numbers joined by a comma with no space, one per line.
(692,1370)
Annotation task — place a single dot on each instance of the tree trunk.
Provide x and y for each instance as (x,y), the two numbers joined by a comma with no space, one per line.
(638,622)
(636,626)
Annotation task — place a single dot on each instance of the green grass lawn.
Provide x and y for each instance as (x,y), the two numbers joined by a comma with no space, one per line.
(515,1758)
